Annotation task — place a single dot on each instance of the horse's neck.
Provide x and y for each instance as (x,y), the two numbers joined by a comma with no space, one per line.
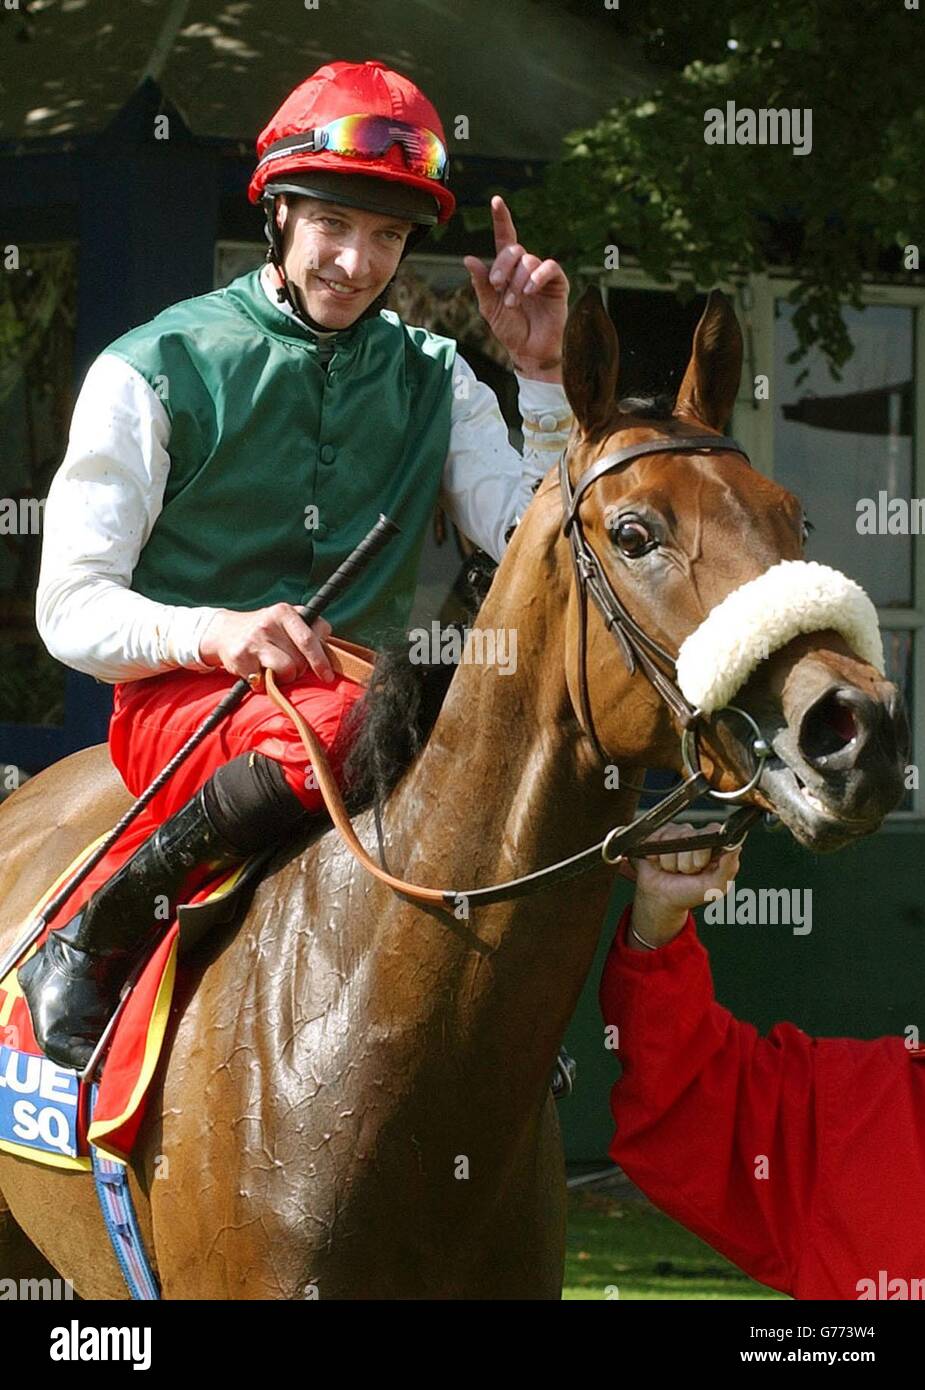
(506,785)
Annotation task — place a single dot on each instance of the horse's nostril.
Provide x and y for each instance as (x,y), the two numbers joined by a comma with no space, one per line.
(828,727)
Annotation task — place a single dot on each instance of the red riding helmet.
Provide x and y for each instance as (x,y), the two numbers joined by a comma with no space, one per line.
(370,128)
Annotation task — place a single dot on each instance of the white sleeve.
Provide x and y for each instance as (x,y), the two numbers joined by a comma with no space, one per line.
(487,484)
(101,506)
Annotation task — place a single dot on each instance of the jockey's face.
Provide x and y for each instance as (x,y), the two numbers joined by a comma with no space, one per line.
(341,258)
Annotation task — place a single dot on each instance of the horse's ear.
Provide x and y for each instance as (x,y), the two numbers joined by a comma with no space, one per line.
(591,365)
(711,381)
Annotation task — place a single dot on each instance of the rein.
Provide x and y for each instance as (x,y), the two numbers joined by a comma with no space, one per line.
(618,844)
(638,649)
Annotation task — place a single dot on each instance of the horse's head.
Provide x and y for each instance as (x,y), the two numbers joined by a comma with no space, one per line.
(703,554)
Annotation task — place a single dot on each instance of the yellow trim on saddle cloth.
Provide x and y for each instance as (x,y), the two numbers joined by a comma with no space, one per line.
(82,1165)
(227,885)
(157,1026)
(47,896)
(10,983)
(11,988)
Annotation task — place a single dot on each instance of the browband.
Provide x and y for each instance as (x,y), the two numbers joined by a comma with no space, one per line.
(686,444)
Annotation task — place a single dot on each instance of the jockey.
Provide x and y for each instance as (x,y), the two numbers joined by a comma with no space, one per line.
(227,456)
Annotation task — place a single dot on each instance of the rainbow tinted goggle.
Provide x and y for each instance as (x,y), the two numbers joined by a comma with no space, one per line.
(370,137)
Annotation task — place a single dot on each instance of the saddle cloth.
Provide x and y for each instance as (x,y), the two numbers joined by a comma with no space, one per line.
(44,1108)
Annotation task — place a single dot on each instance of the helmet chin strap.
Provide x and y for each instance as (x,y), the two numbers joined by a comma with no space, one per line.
(291,292)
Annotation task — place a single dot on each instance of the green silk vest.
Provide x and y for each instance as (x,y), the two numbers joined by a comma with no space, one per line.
(278,468)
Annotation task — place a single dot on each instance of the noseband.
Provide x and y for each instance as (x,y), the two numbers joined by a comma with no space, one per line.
(641,651)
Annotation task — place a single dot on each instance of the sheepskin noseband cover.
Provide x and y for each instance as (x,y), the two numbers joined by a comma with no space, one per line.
(790,598)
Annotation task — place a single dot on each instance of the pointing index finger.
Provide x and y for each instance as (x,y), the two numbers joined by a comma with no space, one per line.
(503,223)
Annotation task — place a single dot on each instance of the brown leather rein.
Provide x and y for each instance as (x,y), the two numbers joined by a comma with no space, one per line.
(638,649)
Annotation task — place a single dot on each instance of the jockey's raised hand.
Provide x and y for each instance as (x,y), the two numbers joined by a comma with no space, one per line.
(524,300)
(275,638)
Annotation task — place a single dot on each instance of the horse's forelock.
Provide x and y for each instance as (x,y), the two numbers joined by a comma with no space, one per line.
(658,405)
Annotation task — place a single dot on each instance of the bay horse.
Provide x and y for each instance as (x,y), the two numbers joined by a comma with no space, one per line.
(355,1099)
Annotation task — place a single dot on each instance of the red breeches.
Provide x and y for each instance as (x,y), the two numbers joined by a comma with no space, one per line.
(153,718)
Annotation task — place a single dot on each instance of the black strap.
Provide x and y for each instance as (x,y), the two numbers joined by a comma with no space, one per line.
(624,626)
(682,444)
(591,578)
(624,842)
(630,836)
(731,835)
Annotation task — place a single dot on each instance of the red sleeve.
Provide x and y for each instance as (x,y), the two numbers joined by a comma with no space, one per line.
(716,1124)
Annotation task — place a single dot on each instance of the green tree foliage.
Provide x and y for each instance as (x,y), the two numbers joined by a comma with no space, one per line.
(643,178)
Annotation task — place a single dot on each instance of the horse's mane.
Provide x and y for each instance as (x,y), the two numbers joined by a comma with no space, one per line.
(388,728)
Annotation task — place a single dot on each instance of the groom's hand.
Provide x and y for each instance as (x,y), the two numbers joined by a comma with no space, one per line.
(668,886)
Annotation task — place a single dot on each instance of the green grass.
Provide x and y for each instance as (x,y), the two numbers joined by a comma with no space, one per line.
(628,1245)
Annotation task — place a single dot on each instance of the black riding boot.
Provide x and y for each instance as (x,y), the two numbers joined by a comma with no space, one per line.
(72,983)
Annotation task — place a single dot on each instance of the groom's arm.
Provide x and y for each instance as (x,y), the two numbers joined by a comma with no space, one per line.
(716,1124)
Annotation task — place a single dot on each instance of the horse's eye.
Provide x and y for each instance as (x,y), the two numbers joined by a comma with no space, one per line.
(808,529)
(632,538)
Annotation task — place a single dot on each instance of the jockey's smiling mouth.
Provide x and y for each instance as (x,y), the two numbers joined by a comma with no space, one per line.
(341,258)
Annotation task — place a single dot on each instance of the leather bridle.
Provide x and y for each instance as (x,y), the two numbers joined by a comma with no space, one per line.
(591,579)
(641,650)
